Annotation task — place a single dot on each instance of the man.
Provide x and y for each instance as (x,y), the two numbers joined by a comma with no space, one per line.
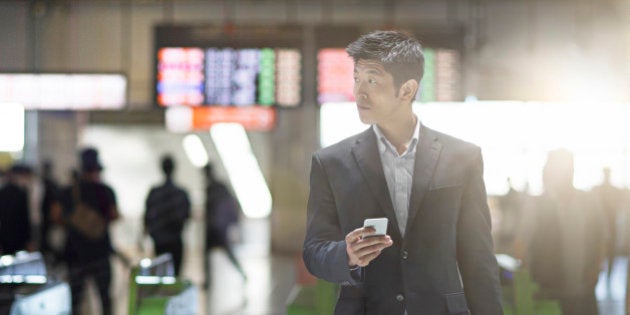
(568,241)
(438,257)
(88,245)
(15,218)
(167,209)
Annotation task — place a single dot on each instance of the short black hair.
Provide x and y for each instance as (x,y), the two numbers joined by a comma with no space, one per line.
(168,165)
(399,53)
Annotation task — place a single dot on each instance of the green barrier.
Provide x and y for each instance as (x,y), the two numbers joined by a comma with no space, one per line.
(518,298)
(160,293)
(313,300)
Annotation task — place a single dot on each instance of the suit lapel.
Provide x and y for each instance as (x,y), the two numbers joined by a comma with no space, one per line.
(365,151)
(427,156)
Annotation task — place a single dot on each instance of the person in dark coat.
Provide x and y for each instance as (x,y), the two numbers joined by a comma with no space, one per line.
(15,222)
(88,246)
(167,209)
(222,212)
(568,241)
(49,201)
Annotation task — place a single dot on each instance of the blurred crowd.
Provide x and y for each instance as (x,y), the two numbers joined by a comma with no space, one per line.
(564,237)
(69,224)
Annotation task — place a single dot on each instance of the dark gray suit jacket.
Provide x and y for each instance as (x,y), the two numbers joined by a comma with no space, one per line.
(445,263)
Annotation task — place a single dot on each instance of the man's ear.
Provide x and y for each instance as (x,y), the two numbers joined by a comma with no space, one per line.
(408,90)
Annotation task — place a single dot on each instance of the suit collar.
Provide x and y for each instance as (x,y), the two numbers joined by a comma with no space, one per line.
(427,156)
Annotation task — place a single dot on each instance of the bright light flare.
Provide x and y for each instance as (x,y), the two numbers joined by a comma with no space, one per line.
(516,136)
(195,150)
(240,163)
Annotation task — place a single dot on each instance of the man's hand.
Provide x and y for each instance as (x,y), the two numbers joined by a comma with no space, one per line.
(361,249)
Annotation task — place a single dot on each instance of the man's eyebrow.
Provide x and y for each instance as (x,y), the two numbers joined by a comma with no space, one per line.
(371,70)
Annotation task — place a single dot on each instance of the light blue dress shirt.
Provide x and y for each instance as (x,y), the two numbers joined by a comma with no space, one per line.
(398,169)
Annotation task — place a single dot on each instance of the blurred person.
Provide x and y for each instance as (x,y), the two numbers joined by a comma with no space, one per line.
(611,199)
(438,257)
(167,208)
(222,213)
(48,206)
(3,176)
(15,220)
(568,240)
(510,206)
(89,206)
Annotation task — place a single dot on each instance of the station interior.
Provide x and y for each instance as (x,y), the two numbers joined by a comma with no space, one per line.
(518,78)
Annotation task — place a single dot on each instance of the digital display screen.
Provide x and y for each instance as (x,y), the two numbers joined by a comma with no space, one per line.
(334,76)
(441,80)
(195,76)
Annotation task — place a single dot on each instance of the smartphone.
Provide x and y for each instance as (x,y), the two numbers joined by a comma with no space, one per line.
(379,224)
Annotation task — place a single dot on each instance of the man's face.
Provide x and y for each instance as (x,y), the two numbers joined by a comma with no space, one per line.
(377,99)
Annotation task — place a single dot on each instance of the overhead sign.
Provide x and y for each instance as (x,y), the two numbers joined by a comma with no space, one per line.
(59,91)
(255,118)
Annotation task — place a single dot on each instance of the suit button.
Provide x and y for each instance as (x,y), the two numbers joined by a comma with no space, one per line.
(400,297)
(405,254)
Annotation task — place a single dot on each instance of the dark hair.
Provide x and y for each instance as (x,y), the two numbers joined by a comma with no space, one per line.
(168,165)
(399,53)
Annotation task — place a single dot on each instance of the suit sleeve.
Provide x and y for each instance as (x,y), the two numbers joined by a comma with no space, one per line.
(324,252)
(475,253)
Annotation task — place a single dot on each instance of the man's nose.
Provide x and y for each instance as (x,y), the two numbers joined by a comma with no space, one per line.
(359,90)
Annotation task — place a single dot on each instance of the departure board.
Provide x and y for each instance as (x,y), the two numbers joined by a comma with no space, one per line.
(195,76)
(442,47)
(441,80)
(334,76)
(180,76)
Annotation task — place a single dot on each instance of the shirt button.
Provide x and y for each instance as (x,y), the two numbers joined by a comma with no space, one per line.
(400,297)
(405,254)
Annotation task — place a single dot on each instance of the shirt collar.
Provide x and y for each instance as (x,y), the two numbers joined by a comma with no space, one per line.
(384,144)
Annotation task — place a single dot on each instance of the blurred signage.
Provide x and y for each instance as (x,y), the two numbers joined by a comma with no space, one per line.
(334,76)
(442,73)
(238,66)
(194,76)
(184,119)
(441,80)
(442,47)
(58,91)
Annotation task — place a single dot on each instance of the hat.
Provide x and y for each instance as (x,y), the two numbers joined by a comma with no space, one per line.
(89,160)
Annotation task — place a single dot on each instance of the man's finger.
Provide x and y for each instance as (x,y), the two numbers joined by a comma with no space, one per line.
(356,235)
(367,242)
(374,247)
(370,245)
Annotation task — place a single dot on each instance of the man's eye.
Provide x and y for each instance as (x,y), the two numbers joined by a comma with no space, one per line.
(371,81)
